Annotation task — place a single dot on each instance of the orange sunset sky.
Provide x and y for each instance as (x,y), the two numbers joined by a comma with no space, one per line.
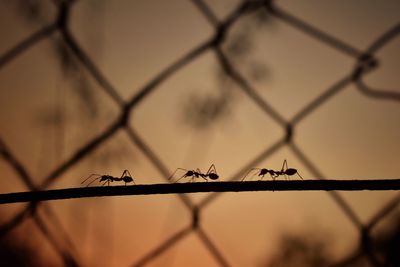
(45,116)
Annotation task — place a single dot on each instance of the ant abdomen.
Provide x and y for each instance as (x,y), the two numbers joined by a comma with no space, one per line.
(213,176)
(290,171)
(127,179)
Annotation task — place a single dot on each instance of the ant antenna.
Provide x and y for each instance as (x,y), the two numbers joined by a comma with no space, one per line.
(252,169)
(126,173)
(212,168)
(172,175)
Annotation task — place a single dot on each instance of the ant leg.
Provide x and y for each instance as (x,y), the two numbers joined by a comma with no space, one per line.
(212,172)
(299,175)
(172,175)
(252,169)
(127,173)
(200,174)
(104,183)
(93,181)
(95,174)
(180,178)
(284,165)
(211,169)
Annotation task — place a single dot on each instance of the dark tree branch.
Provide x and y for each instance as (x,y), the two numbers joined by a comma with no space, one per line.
(179,188)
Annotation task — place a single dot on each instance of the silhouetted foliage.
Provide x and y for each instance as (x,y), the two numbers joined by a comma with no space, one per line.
(36,12)
(14,251)
(313,249)
(387,243)
(202,110)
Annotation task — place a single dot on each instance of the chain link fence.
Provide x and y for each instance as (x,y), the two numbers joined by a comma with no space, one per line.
(48,221)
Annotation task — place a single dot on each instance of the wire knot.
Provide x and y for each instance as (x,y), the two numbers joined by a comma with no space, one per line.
(195,218)
(364,63)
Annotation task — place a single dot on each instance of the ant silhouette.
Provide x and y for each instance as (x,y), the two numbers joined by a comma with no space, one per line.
(284,171)
(211,173)
(126,177)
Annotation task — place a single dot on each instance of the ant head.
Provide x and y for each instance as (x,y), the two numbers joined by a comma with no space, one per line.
(189,173)
(290,171)
(213,176)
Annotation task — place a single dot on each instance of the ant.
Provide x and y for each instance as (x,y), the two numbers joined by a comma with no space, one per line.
(284,171)
(211,173)
(126,177)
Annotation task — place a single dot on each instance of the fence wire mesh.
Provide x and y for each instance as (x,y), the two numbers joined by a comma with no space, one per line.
(365,61)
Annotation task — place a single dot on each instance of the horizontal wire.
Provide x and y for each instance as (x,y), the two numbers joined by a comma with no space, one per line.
(179,188)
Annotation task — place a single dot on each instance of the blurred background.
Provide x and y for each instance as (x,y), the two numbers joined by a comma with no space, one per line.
(231,83)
